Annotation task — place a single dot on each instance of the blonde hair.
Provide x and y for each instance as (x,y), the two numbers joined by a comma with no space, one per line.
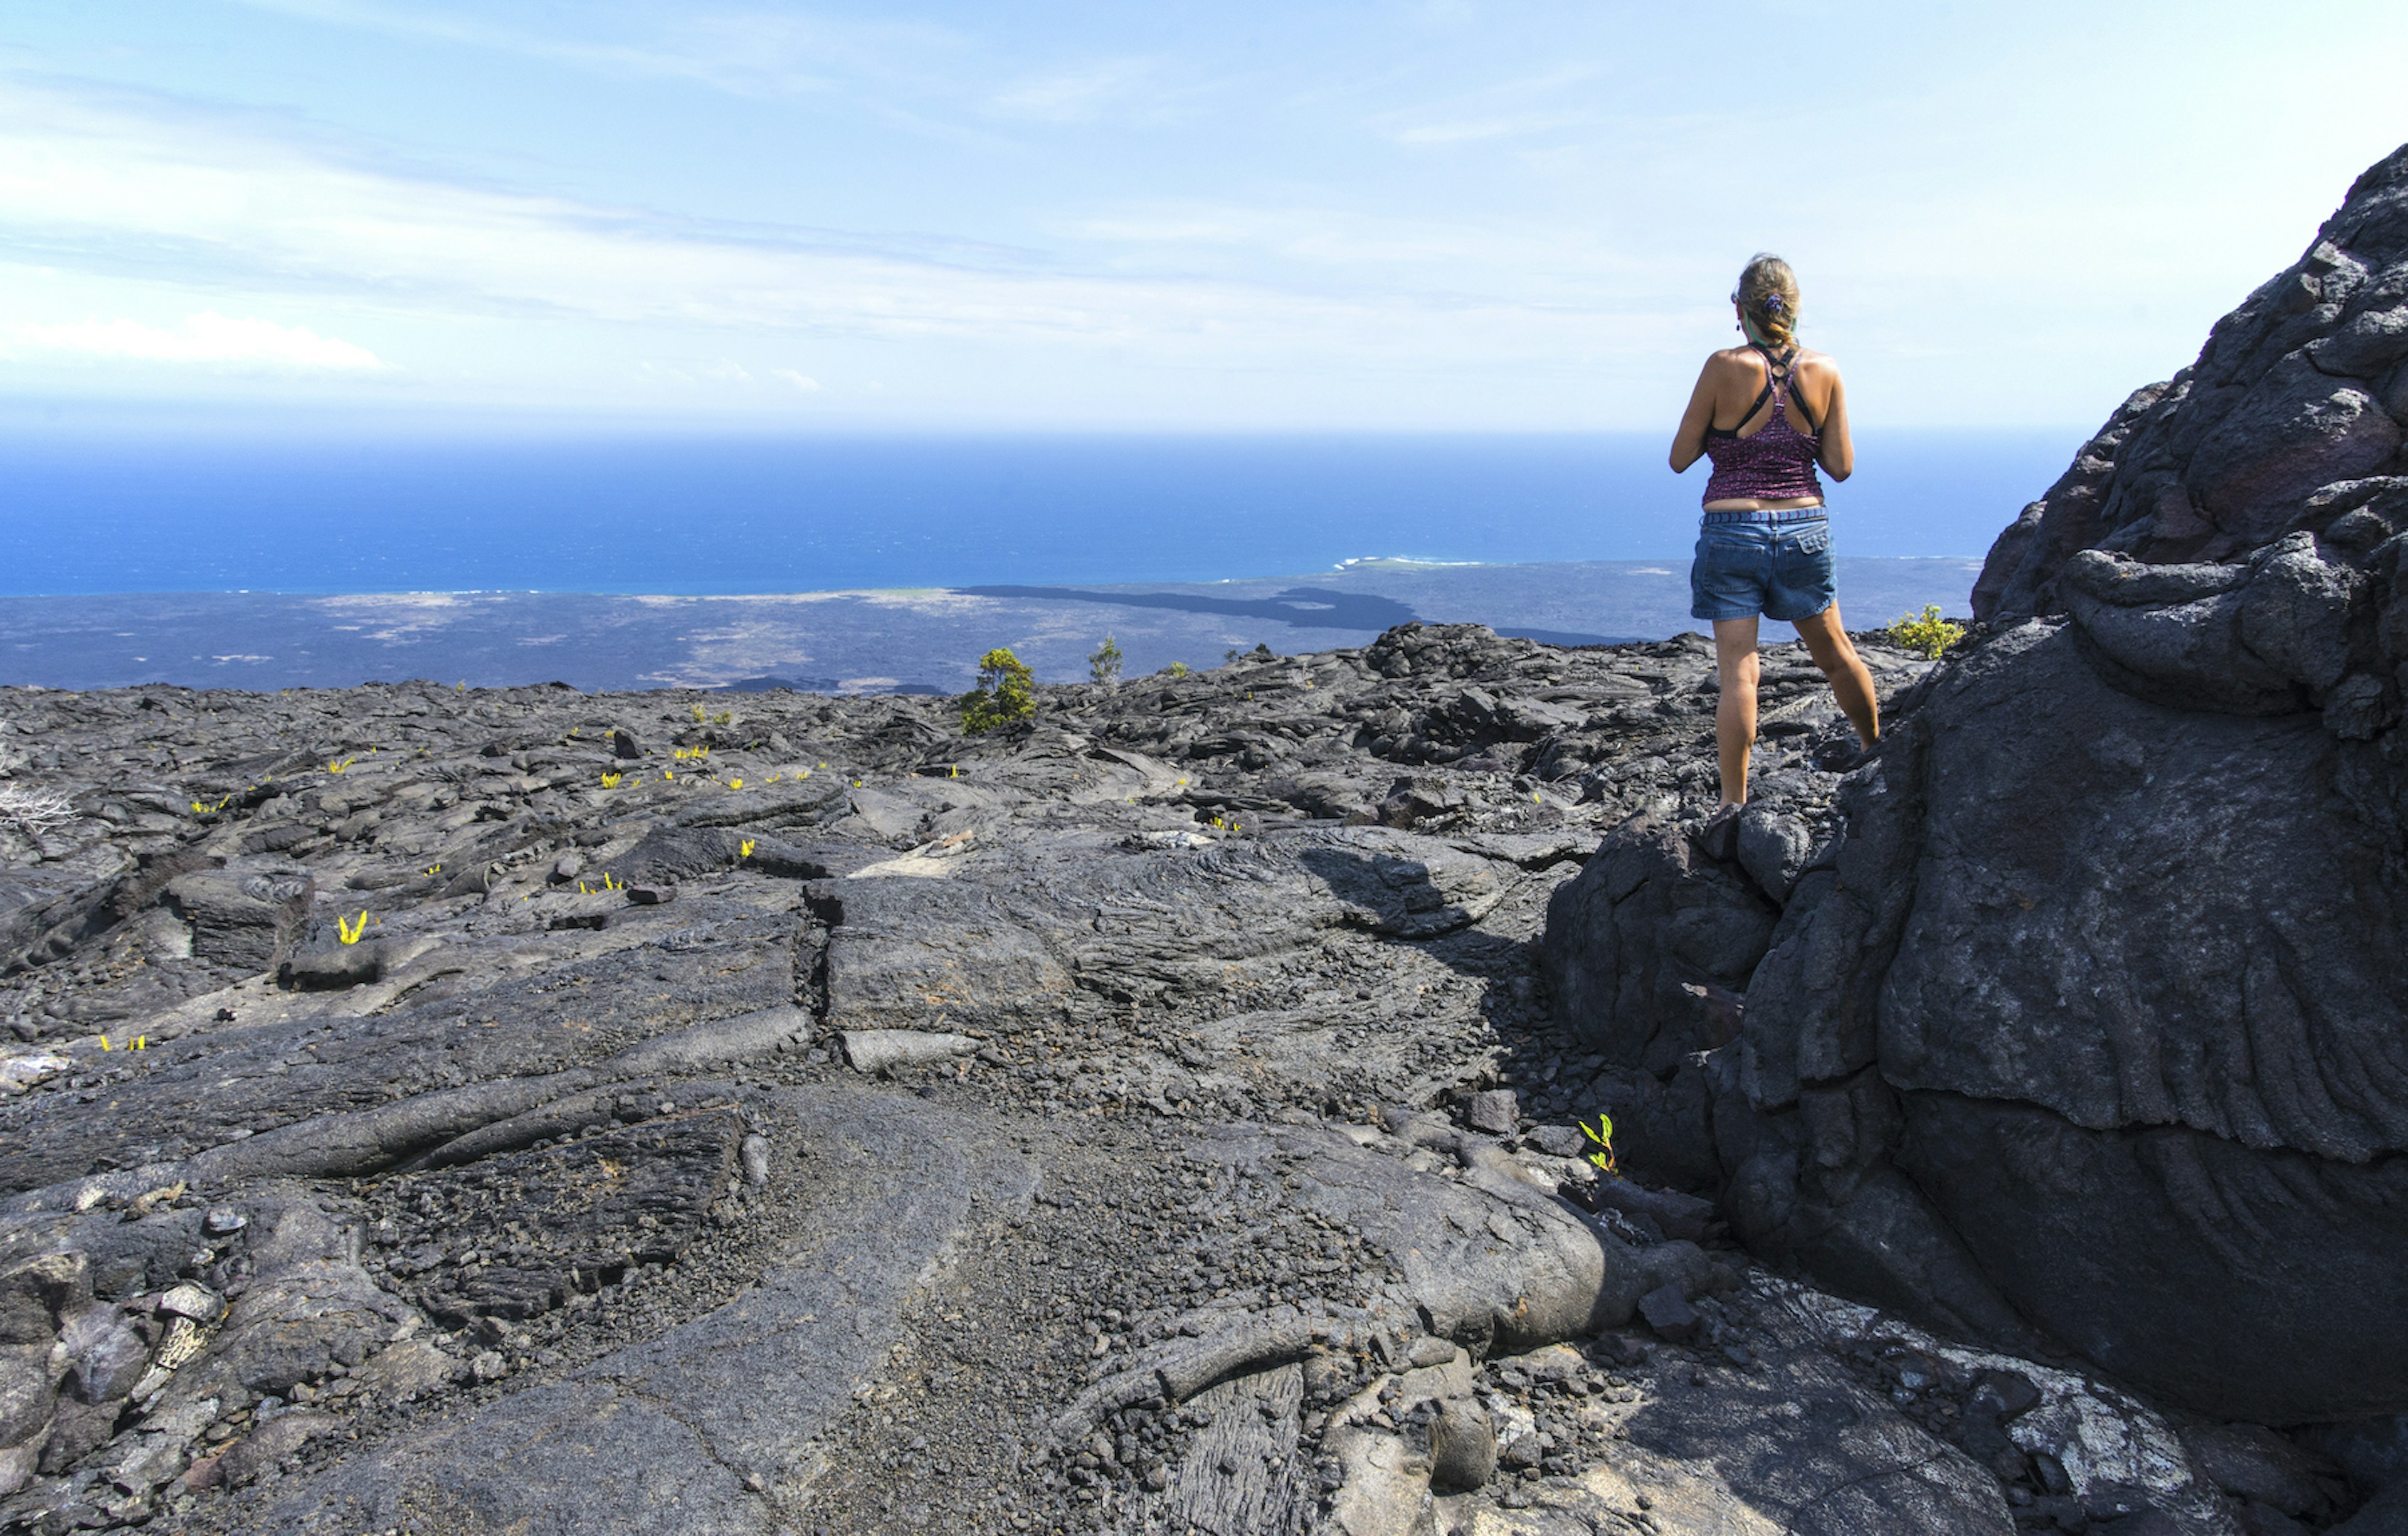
(1768,300)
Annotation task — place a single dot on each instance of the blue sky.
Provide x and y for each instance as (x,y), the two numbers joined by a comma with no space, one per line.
(1071,216)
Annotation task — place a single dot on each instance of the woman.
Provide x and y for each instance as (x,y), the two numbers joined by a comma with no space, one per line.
(1765,415)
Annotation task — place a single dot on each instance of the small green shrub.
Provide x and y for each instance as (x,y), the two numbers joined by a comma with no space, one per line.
(1176,670)
(1006,693)
(1926,634)
(1104,662)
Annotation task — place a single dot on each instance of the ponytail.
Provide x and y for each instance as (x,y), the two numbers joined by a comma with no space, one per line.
(1767,302)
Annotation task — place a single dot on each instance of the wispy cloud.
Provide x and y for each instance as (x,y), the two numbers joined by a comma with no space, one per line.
(933,80)
(1079,95)
(1474,130)
(743,51)
(1506,110)
(100,184)
(206,338)
(1433,254)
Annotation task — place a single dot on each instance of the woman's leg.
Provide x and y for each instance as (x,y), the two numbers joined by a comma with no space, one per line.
(1827,644)
(1736,667)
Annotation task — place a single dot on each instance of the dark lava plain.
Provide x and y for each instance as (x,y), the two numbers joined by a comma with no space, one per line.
(784,1113)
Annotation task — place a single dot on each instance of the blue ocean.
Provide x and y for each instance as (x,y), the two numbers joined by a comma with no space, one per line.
(91,513)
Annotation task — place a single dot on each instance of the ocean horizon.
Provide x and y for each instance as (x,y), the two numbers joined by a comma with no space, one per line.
(94,514)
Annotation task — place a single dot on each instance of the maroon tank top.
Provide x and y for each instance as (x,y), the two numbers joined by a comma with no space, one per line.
(1776,461)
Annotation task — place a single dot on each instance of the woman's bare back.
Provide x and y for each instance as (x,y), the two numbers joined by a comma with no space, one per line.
(1739,376)
(1732,382)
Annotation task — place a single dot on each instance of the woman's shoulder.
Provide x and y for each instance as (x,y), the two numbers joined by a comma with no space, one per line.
(1815,365)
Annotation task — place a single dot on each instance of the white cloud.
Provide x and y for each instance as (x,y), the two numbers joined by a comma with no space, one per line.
(1500,112)
(1078,97)
(803,381)
(742,52)
(105,186)
(1473,131)
(204,338)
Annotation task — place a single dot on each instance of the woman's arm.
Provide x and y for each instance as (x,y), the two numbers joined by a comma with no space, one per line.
(1689,442)
(1838,453)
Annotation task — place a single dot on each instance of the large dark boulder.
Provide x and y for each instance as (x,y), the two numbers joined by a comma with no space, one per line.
(2098,1031)
(1641,934)
(2290,421)
(2127,976)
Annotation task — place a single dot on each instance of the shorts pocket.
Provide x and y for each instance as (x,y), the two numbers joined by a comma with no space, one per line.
(1727,553)
(1813,541)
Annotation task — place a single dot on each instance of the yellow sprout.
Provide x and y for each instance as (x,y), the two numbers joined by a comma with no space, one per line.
(610,781)
(104,1044)
(142,1042)
(698,716)
(350,932)
(1602,1134)
(745,849)
(340,766)
(666,774)
(736,784)
(434,869)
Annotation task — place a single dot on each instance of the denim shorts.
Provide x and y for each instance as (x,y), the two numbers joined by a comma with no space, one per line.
(1749,564)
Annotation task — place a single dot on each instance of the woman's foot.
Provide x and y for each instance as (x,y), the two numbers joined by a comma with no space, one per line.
(1841,756)
(1717,835)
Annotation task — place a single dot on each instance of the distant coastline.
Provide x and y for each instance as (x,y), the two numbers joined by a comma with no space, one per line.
(862,640)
